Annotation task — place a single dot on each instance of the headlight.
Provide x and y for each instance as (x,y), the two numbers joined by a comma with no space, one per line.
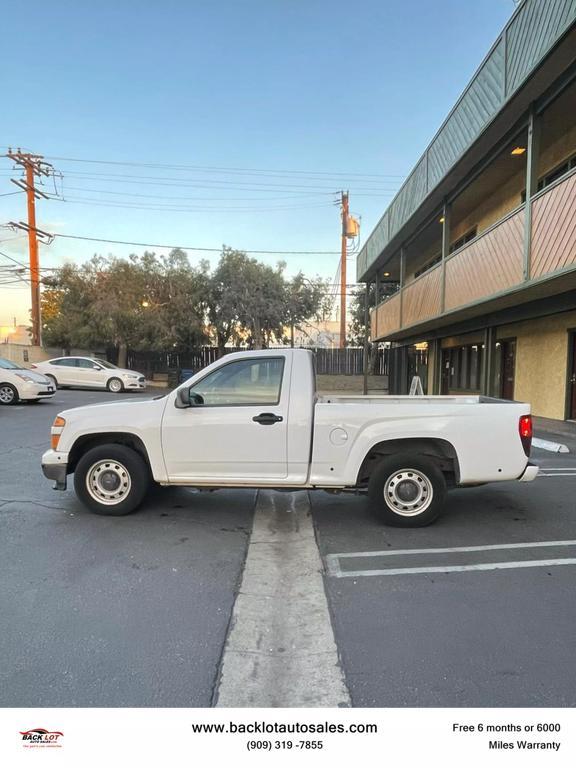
(130,375)
(25,377)
(56,431)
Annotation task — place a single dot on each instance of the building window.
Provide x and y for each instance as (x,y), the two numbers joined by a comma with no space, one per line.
(462,368)
(429,264)
(555,174)
(470,235)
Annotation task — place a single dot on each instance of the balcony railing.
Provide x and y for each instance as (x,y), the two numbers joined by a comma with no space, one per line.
(554,229)
(492,264)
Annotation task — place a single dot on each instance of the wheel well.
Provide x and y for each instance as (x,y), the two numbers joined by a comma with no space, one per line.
(440,451)
(87,442)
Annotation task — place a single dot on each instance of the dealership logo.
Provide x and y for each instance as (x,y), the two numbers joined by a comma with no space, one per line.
(40,737)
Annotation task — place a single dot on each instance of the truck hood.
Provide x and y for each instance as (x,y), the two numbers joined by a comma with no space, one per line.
(122,411)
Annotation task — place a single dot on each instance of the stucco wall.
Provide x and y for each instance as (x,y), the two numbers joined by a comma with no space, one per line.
(541,362)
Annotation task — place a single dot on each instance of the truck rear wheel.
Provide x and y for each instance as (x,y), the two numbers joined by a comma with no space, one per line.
(407,491)
(111,480)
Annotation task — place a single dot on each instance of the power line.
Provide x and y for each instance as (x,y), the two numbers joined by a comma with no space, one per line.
(195,247)
(294,196)
(126,178)
(186,209)
(228,169)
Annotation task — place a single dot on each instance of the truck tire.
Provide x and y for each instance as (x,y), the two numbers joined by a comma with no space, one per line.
(111,480)
(407,491)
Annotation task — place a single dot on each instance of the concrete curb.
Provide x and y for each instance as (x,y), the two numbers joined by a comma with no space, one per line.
(548,445)
(281,650)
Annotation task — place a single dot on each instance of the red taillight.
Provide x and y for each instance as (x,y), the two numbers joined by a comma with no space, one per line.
(525,429)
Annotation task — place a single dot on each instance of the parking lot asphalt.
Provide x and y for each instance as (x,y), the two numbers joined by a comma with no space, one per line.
(475,636)
(103,611)
(476,610)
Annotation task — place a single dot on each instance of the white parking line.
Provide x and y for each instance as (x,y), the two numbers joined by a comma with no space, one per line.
(549,445)
(334,568)
(459,568)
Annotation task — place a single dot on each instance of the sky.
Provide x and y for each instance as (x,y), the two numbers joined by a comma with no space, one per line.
(224,122)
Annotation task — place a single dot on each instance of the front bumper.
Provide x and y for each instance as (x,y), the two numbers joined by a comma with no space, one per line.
(133,384)
(32,390)
(529,473)
(54,467)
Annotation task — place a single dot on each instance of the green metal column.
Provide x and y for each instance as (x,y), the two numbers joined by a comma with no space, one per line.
(366,337)
(402,279)
(436,346)
(446,211)
(488,360)
(532,157)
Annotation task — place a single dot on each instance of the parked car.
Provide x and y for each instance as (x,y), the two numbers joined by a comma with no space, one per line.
(253,419)
(90,372)
(18,383)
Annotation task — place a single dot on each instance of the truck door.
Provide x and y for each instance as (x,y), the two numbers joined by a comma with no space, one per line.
(238,430)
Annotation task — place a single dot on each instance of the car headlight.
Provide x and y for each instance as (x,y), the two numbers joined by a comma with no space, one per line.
(57,428)
(24,377)
(130,375)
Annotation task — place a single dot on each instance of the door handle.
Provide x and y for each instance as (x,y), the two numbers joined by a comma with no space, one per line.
(267,418)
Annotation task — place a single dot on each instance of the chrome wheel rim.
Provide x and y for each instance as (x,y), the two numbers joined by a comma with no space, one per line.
(108,482)
(408,492)
(115,385)
(6,395)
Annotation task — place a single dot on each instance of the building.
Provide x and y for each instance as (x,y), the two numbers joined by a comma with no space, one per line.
(480,241)
(15,334)
(324,333)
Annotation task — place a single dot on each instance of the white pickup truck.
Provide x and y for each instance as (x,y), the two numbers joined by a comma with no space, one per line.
(254,420)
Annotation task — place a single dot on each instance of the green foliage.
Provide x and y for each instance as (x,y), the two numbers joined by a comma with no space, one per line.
(152,302)
(146,302)
(356,325)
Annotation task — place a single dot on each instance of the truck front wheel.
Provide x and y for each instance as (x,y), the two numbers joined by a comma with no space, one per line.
(111,479)
(407,491)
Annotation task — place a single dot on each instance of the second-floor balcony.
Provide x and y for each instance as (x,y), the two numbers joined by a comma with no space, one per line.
(494,270)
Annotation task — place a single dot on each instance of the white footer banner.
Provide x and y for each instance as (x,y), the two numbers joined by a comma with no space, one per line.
(182,738)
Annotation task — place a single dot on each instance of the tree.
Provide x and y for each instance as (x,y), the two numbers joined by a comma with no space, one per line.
(305,300)
(246,300)
(65,301)
(143,302)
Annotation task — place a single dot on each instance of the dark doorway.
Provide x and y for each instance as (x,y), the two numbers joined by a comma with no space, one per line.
(572,376)
(445,372)
(507,368)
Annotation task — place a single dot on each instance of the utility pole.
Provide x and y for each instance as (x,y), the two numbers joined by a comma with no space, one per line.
(345,211)
(32,165)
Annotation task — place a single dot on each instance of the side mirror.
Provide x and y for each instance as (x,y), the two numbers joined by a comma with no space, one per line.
(183,398)
(187,398)
(97,367)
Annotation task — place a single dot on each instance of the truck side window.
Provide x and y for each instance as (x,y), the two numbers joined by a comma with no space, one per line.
(243,382)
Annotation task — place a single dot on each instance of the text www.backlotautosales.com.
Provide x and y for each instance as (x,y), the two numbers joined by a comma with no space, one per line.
(271,736)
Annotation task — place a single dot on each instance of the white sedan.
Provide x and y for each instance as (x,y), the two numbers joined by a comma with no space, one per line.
(90,372)
(18,383)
